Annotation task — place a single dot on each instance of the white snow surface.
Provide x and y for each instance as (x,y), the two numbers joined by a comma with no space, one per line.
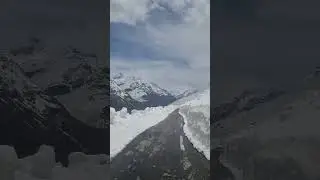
(195,110)
(125,127)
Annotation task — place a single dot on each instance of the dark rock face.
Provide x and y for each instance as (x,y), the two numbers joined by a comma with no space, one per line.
(156,154)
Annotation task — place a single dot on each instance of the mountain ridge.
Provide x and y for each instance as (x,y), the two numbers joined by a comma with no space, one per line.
(139,93)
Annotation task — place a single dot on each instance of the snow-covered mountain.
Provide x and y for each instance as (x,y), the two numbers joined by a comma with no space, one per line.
(31,117)
(135,93)
(68,74)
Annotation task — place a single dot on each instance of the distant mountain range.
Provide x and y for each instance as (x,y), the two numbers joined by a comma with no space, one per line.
(136,93)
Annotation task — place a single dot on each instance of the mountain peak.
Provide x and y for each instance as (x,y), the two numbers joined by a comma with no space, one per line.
(145,93)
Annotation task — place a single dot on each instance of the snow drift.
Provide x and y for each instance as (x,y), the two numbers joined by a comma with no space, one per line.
(195,111)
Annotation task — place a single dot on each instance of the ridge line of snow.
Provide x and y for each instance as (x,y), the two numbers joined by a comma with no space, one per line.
(196,144)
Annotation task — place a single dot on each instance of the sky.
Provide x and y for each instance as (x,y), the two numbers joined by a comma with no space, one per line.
(163,41)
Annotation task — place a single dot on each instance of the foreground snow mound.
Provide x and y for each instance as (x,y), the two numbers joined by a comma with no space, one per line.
(41,166)
(125,127)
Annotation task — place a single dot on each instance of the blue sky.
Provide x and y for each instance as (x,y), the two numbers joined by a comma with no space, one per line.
(163,41)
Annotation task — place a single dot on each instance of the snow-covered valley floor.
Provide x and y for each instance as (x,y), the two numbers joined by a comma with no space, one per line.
(195,109)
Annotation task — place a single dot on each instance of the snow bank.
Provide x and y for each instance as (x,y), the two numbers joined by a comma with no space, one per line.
(195,110)
(197,127)
(41,166)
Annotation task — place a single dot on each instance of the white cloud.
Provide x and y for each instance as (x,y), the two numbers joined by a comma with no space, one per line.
(164,73)
(187,40)
(127,11)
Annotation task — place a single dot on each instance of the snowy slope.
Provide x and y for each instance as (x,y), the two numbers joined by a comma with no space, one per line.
(135,93)
(125,126)
(196,115)
(68,74)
